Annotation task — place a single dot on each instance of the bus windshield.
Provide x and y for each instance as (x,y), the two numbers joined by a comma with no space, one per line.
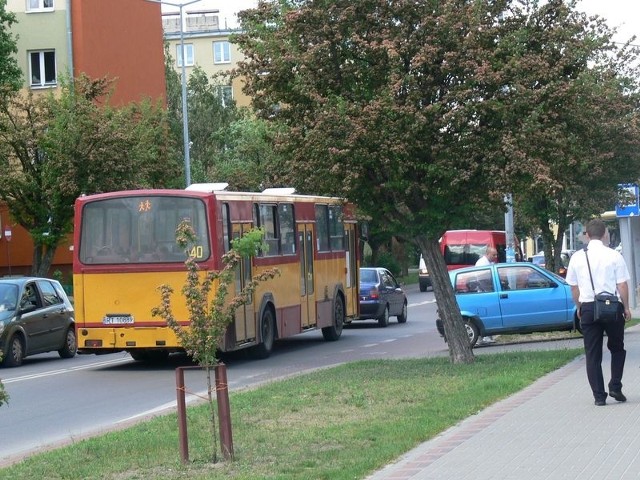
(140,230)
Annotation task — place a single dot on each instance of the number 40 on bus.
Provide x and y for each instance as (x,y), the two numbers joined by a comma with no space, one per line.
(125,248)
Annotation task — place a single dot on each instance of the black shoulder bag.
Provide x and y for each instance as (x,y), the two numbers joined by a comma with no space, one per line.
(606,305)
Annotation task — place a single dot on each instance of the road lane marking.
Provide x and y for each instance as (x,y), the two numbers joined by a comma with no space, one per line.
(426,302)
(65,370)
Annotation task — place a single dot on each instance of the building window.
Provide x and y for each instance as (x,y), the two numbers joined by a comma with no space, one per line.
(42,68)
(225,93)
(221,52)
(188,48)
(39,5)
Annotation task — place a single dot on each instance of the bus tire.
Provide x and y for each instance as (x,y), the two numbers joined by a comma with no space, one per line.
(333,332)
(70,346)
(267,336)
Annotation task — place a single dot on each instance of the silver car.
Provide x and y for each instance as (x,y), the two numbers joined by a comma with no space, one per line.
(36,316)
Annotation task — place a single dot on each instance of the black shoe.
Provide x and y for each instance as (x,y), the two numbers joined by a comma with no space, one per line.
(618,395)
(600,403)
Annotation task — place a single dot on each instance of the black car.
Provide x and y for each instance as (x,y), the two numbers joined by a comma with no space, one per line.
(36,316)
(381,296)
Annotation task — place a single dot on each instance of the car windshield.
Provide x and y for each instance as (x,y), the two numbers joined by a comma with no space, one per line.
(8,297)
(368,276)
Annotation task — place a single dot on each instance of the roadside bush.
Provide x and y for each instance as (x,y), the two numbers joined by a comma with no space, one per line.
(388,261)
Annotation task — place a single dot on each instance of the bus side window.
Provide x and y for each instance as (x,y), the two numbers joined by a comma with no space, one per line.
(286,223)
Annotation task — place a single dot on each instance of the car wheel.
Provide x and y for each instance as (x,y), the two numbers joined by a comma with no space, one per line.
(333,332)
(70,346)
(383,320)
(423,287)
(402,318)
(472,331)
(268,336)
(15,355)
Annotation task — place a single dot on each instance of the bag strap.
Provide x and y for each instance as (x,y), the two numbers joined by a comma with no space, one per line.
(590,276)
(589,267)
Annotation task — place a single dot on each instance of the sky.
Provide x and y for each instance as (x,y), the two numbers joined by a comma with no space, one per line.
(624,14)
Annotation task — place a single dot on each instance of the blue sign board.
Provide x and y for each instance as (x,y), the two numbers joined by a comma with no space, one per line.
(632,208)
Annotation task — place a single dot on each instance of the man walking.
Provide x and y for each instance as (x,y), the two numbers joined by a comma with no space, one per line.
(610,274)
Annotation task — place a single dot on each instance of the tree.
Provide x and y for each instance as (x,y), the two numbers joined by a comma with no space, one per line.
(574,122)
(54,148)
(403,107)
(228,143)
(392,105)
(10,73)
(209,318)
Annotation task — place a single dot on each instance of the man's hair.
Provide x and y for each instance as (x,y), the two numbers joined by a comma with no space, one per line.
(596,229)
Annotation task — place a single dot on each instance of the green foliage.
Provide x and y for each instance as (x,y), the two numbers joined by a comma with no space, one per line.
(4,396)
(227,143)
(574,122)
(387,260)
(10,74)
(53,148)
(426,117)
(209,319)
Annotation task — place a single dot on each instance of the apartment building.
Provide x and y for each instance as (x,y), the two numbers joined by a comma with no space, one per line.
(120,39)
(207,44)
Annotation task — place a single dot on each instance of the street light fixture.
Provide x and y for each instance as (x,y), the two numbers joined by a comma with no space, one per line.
(185,114)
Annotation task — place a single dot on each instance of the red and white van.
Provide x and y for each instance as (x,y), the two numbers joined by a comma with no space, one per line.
(462,248)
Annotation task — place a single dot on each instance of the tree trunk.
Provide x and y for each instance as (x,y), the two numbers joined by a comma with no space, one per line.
(42,259)
(459,346)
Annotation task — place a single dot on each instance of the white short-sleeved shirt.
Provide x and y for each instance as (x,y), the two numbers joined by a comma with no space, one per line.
(482,261)
(608,268)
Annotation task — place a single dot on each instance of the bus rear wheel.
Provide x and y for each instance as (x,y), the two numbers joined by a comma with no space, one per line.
(333,332)
(267,336)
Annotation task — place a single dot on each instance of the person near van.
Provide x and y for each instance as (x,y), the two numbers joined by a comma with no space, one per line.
(490,256)
(610,274)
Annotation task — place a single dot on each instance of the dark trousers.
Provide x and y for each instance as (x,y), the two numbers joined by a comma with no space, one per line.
(593,333)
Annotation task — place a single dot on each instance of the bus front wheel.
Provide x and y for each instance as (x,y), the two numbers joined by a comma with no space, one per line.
(333,332)
(267,334)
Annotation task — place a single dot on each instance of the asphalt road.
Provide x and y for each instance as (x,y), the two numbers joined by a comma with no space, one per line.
(55,401)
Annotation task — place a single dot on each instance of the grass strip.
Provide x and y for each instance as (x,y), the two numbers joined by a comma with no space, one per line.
(339,423)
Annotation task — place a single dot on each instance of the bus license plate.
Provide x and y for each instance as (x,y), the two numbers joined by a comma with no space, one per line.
(117,319)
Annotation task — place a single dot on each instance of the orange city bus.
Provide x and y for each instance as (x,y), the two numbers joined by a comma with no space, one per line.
(125,248)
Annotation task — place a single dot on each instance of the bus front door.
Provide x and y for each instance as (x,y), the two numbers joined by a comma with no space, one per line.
(245,321)
(352,280)
(307,297)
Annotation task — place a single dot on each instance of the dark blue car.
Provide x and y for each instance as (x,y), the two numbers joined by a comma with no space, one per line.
(381,296)
(512,298)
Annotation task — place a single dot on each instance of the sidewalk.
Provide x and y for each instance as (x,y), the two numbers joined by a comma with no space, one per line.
(551,430)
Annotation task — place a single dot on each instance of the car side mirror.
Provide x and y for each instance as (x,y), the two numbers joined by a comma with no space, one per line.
(27,307)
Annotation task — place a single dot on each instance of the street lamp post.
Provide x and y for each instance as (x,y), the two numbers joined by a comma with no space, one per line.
(185,113)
